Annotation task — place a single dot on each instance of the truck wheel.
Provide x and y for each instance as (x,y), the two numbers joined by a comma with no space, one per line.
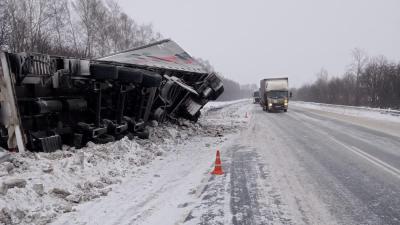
(285,110)
(151,79)
(103,72)
(129,75)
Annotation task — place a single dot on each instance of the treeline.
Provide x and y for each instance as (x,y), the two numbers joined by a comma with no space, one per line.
(372,82)
(81,28)
(232,89)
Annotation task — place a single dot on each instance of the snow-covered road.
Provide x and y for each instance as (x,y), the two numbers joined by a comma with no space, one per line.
(301,167)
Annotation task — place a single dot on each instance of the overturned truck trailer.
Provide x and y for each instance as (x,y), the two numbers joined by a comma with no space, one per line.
(186,86)
(47,101)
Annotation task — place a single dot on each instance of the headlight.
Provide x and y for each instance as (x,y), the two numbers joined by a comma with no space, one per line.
(270,104)
(285,102)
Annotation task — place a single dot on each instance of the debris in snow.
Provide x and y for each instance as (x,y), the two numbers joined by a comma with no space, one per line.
(39,189)
(105,191)
(172,133)
(12,183)
(98,184)
(8,166)
(5,216)
(87,196)
(4,155)
(17,163)
(63,208)
(183,205)
(47,168)
(75,198)
(43,220)
(60,192)
(106,180)
(81,159)
(183,122)
(20,214)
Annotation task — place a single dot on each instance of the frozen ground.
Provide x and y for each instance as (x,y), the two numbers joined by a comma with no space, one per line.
(306,166)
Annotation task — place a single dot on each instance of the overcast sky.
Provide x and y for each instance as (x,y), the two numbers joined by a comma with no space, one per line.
(254,39)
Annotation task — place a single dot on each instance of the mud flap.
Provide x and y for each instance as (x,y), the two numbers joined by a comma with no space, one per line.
(10,112)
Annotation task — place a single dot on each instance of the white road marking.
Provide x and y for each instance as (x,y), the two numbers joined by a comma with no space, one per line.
(377,162)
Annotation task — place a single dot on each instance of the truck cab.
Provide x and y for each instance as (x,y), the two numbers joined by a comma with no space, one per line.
(274,94)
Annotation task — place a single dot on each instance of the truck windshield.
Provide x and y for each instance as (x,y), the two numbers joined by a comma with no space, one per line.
(277,94)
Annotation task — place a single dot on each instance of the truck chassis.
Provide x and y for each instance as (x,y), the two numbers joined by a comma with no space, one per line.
(49,101)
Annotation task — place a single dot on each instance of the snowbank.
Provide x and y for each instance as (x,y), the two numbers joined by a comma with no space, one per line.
(215,105)
(366,112)
(35,187)
(54,182)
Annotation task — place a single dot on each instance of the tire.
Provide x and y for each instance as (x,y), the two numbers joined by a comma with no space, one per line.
(103,72)
(130,75)
(285,110)
(103,139)
(151,79)
(159,115)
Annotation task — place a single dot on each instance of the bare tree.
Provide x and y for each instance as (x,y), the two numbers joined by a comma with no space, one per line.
(4,24)
(59,13)
(89,28)
(371,82)
(88,11)
(360,59)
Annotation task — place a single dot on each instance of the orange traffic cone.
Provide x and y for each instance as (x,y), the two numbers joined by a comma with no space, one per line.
(218,166)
